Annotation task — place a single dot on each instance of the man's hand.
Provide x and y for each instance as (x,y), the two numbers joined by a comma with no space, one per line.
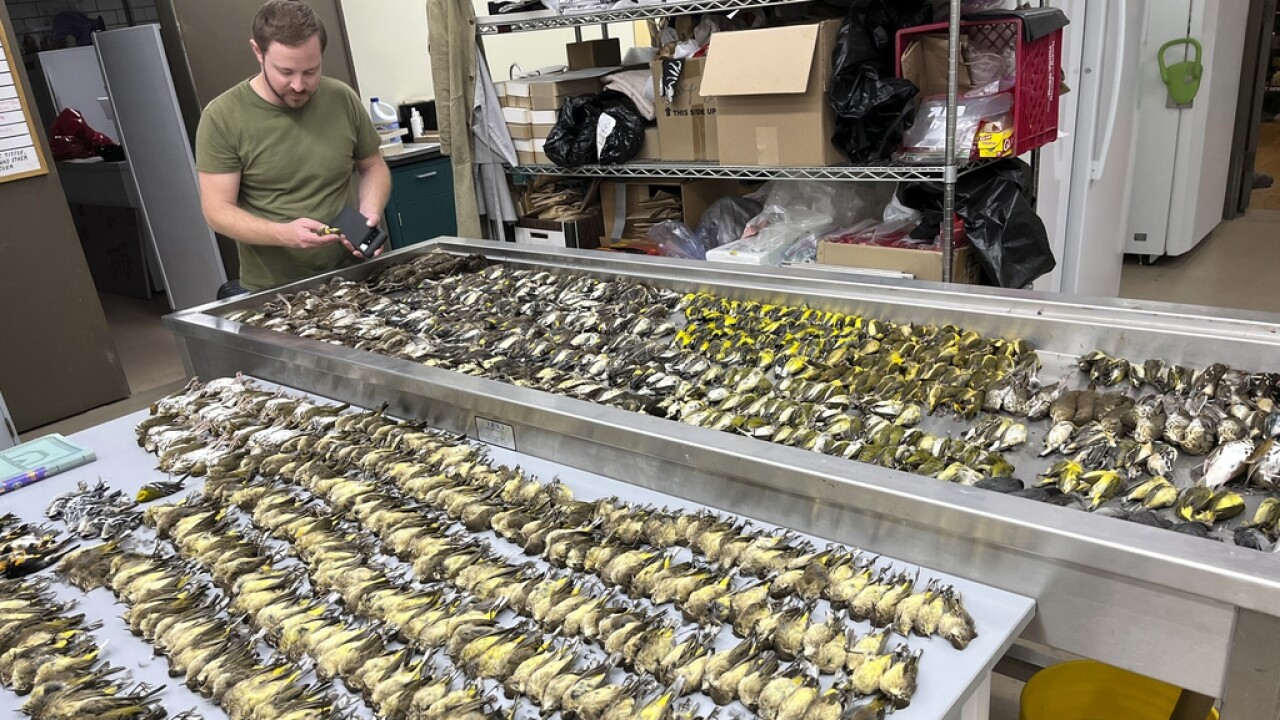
(371,221)
(305,234)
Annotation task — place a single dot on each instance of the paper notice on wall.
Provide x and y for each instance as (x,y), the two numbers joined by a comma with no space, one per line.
(20,156)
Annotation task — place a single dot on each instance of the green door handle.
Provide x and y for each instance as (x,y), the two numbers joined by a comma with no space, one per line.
(1182,78)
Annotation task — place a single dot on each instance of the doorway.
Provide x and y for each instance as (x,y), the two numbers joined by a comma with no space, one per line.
(1255,161)
(1266,190)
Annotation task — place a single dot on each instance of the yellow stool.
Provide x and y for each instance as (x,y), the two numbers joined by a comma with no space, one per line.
(1088,690)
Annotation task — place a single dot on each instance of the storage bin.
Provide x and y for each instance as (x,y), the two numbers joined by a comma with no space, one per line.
(1089,690)
(1038,63)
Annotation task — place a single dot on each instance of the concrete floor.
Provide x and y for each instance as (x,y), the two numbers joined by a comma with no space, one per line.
(1232,269)
(1268,161)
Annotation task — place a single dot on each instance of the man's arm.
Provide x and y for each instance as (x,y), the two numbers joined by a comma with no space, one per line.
(219,193)
(375,187)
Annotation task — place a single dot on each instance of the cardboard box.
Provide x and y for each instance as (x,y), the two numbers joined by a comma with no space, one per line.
(924,63)
(548,92)
(652,147)
(524,152)
(620,199)
(582,233)
(520,131)
(770,88)
(995,143)
(594,53)
(688,122)
(923,264)
(519,116)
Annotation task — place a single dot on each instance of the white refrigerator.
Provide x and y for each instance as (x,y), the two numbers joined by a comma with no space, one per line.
(1184,154)
(1087,177)
(1129,173)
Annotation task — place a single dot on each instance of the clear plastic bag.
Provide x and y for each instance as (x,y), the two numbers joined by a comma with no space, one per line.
(845,203)
(993,65)
(675,239)
(926,140)
(724,221)
(772,234)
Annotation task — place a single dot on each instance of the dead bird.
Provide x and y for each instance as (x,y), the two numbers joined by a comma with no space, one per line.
(1227,462)
(898,683)
(956,625)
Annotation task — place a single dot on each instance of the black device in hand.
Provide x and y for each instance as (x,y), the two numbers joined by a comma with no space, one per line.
(355,226)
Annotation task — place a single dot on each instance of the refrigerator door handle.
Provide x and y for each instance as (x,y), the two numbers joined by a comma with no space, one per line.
(1099,164)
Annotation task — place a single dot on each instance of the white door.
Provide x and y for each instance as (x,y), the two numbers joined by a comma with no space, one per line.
(1102,172)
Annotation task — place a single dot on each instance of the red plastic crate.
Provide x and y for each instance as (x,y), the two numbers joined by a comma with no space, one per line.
(1035,94)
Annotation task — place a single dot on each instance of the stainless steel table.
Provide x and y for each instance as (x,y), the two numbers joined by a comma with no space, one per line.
(954,685)
(1197,614)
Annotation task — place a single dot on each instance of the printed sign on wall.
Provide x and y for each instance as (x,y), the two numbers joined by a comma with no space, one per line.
(20,152)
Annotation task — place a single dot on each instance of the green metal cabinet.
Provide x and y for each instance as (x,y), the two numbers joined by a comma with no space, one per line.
(421,205)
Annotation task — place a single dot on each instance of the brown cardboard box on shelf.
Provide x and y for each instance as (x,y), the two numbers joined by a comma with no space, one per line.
(652,147)
(623,203)
(770,87)
(542,121)
(548,92)
(688,123)
(923,264)
(520,131)
(924,63)
(594,53)
(519,116)
(583,232)
(524,151)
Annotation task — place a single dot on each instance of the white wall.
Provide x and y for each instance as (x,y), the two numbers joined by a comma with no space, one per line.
(389,47)
(388,41)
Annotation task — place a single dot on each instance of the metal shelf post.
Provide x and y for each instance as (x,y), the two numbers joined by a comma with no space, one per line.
(951,170)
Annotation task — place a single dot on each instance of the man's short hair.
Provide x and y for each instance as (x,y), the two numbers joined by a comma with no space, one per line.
(288,22)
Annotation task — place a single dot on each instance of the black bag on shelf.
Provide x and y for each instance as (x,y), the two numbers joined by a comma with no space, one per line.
(872,107)
(572,141)
(1004,229)
(626,135)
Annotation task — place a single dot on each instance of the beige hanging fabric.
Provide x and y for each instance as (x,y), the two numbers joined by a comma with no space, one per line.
(451,44)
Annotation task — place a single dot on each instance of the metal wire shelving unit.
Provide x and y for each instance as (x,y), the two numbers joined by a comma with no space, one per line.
(947,174)
(880,172)
(547,20)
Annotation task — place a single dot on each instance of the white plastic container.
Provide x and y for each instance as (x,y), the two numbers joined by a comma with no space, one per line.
(386,121)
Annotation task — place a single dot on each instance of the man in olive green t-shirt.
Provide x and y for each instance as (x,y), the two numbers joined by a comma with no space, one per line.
(275,155)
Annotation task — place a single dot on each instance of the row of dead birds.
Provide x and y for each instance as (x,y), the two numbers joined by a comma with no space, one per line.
(1112,439)
(455,479)
(51,658)
(95,511)
(803,369)
(27,548)
(524,661)
(188,623)
(375,425)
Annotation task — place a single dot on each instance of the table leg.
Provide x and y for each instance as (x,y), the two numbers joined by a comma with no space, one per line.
(1253,669)
(978,706)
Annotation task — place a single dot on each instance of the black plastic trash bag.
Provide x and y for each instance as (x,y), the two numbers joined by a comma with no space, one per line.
(572,141)
(872,107)
(999,221)
(724,220)
(604,128)
(619,129)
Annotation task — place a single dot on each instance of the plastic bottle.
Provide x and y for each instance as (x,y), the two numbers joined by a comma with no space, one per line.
(385,119)
(416,126)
